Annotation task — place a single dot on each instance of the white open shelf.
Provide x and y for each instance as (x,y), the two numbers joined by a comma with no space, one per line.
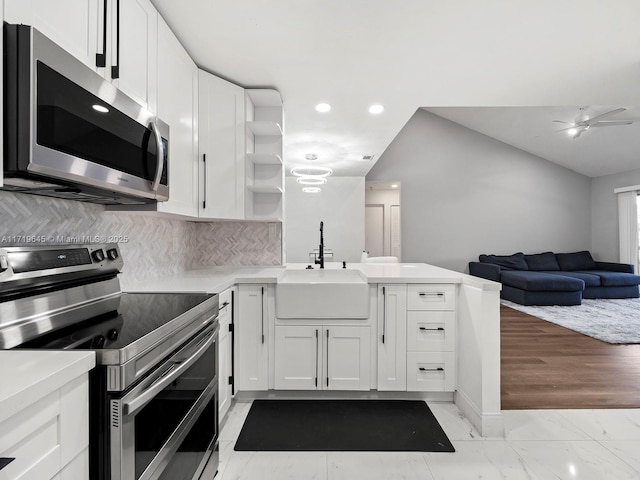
(265,158)
(265,128)
(265,189)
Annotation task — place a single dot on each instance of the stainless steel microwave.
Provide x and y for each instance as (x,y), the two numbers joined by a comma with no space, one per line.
(69,133)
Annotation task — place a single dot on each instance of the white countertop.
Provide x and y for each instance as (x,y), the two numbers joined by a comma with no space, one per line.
(28,375)
(218,279)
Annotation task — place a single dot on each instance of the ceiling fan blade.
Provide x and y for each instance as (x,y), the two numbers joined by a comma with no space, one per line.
(562,121)
(612,123)
(597,118)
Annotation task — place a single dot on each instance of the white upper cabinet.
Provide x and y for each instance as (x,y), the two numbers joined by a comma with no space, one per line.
(178,106)
(221,148)
(116,38)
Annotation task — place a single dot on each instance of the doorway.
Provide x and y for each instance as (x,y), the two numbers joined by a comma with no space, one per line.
(383,219)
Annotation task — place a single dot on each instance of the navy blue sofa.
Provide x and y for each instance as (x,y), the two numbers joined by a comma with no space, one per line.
(556,278)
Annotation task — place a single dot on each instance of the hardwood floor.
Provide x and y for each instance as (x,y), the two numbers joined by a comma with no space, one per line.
(544,365)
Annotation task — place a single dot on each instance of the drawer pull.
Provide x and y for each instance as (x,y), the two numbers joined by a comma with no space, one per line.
(438,369)
(439,329)
(223,306)
(4,461)
(431,294)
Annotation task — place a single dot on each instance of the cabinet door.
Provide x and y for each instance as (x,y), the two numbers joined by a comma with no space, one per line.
(392,337)
(221,148)
(134,50)
(224,367)
(177,106)
(347,353)
(252,332)
(75,25)
(297,357)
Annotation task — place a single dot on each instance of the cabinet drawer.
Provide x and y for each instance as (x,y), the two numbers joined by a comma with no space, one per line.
(32,437)
(431,331)
(431,372)
(431,297)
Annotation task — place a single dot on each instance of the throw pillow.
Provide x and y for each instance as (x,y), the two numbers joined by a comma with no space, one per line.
(576,261)
(509,262)
(542,262)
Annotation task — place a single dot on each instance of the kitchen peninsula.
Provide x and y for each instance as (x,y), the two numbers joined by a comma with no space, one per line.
(429,333)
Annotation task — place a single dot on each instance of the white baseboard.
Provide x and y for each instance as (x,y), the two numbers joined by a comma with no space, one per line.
(487,424)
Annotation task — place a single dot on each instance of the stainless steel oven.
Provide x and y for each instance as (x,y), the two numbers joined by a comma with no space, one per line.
(153,395)
(70,133)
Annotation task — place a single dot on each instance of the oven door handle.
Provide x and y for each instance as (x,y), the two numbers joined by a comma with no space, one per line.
(160,161)
(178,367)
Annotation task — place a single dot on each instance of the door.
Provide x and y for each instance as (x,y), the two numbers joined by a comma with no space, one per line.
(177,106)
(297,357)
(347,359)
(75,25)
(392,337)
(134,50)
(252,338)
(221,145)
(374,230)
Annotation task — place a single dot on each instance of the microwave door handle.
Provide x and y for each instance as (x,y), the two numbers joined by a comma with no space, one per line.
(132,406)
(160,147)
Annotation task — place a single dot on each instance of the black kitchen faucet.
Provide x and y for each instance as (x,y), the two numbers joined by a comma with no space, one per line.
(320,259)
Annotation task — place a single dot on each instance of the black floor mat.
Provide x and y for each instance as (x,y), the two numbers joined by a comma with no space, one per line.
(342,425)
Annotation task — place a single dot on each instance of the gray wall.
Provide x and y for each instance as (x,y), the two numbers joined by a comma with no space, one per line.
(464,194)
(604,213)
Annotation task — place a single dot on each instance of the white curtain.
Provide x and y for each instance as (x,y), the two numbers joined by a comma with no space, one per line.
(628,226)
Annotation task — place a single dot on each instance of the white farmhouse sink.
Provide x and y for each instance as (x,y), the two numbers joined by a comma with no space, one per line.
(322,293)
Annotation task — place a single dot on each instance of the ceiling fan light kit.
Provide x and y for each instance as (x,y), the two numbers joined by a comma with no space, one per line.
(584,122)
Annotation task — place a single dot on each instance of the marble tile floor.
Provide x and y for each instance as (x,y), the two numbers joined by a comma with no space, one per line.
(538,445)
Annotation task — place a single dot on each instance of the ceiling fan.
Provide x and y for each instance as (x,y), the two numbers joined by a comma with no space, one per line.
(584,122)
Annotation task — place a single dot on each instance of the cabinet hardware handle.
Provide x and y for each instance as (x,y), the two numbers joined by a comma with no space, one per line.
(327,357)
(204,198)
(384,313)
(317,345)
(231,329)
(431,294)
(101,58)
(115,69)
(438,369)
(224,305)
(433,329)
(262,313)
(4,461)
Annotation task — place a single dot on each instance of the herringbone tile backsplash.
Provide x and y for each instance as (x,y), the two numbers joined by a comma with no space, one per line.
(151,246)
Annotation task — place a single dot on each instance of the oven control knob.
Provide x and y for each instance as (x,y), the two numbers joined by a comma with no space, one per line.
(112,334)
(98,255)
(112,254)
(99,341)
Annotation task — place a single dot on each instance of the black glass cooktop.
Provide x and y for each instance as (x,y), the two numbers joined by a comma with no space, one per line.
(134,315)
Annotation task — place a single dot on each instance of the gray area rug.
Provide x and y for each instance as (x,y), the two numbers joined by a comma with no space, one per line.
(612,321)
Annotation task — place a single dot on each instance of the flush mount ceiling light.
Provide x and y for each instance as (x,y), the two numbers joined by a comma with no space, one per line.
(376,109)
(311,189)
(311,171)
(311,180)
(311,156)
(323,107)
(100,108)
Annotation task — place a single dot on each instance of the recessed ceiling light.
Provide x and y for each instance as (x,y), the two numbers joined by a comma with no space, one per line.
(323,107)
(311,189)
(100,108)
(394,185)
(311,171)
(376,109)
(311,180)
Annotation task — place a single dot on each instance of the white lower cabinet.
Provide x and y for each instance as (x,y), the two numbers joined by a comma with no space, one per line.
(392,337)
(252,331)
(50,437)
(225,350)
(431,372)
(322,357)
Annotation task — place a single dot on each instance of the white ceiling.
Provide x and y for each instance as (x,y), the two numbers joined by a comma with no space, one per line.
(410,54)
